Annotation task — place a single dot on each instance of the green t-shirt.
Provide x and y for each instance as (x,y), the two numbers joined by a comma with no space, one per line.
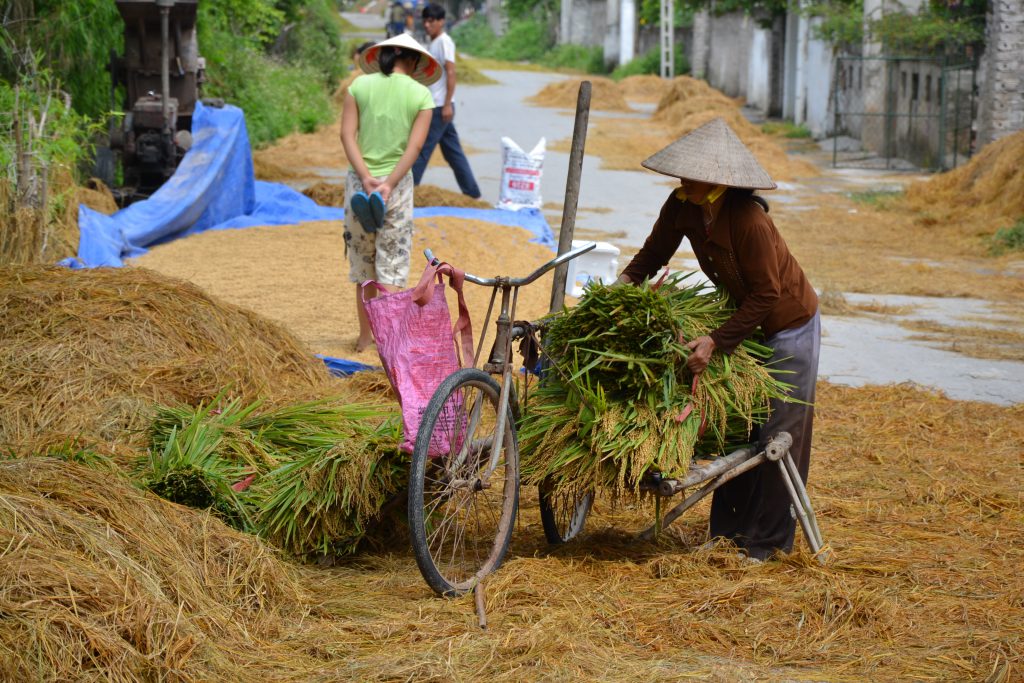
(388,105)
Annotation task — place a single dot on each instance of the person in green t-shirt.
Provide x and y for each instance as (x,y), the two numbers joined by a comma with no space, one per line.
(385,118)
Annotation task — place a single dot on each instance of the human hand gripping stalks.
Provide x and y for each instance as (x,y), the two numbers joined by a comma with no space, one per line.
(609,413)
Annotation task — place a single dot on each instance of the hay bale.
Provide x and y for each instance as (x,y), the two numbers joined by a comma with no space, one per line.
(990,186)
(431,195)
(333,194)
(97,196)
(326,194)
(683,88)
(685,105)
(43,233)
(103,581)
(605,94)
(267,169)
(85,353)
(644,87)
(467,74)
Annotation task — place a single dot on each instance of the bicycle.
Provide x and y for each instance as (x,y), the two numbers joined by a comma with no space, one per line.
(463,502)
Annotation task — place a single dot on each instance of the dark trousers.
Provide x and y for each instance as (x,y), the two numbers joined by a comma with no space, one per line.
(451,149)
(753,510)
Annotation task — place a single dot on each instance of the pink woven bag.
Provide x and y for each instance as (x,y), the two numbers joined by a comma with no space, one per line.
(417,346)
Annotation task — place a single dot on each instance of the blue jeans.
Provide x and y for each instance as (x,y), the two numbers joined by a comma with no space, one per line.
(451,150)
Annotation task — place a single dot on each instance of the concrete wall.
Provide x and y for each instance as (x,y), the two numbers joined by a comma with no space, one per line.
(808,76)
(729,42)
(585,22)
(1001,105)
(739,57)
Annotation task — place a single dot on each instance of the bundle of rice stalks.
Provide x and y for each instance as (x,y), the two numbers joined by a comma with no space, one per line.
(86,354)
(309,477)
(199,456)
(619,401)
(339,465)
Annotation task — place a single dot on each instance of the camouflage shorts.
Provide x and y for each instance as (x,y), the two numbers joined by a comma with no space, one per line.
(384,255)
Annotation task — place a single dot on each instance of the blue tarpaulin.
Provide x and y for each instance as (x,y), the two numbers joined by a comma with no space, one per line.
(214,188)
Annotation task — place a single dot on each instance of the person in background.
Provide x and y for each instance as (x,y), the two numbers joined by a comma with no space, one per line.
(396,19)
(739,248)
(385,117)
(442,125)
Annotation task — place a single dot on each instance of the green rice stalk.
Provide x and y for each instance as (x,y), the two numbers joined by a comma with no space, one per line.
(606,413)
(320,470)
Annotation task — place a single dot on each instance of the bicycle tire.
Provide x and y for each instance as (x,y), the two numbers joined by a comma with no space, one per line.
(564,516)
(461,528)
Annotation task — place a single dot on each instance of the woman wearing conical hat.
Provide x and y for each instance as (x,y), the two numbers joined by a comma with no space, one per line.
(384,121)
(739,248)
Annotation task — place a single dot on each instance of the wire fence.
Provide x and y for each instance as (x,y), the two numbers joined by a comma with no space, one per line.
(918,109)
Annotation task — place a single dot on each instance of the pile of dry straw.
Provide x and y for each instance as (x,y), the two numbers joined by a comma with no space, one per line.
(86,354)
(685,104)
(919,497)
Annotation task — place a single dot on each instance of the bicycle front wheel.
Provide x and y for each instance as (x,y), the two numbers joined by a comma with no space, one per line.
(463,483)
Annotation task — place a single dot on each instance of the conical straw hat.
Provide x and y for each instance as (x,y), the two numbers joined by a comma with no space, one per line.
(427,71)
(711,154)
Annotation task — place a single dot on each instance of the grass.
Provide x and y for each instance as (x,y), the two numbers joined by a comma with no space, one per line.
(879,199)
(1007,239)
(786,129)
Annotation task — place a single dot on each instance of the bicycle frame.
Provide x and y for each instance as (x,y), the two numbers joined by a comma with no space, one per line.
(499,362)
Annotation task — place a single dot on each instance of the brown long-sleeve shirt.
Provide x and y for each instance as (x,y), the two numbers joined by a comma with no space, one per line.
(742,251)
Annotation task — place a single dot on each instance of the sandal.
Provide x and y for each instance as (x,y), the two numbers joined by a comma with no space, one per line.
(360,204)
(377,209)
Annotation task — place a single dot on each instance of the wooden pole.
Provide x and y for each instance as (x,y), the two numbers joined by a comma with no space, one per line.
(572,193)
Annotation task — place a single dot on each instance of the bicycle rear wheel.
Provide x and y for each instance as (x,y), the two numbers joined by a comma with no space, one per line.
(563,515)
(463,502)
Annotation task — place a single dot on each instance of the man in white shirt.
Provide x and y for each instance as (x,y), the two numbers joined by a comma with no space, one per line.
(442,125)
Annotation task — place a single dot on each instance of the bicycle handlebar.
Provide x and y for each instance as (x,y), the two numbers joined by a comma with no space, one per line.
(520,281)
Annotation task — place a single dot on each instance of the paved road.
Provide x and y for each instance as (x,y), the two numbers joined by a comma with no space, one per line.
(621,206)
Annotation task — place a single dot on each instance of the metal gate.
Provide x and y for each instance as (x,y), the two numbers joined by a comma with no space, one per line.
(912,108)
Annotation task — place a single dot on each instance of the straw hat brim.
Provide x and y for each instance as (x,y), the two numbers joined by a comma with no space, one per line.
(711,154)
(427,70)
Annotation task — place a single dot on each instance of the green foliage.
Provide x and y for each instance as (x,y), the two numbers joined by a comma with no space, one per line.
(315,41)
(55,134)
(576,57)
(1008,239)
(525,40)
(530,9)
(649,13)
(279,95)
(842,21)
(529,40)
(940,28)
(71,40)
(786,129)
(879,199)
(474,37)
(650,63)
(252,22)
(762,10)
